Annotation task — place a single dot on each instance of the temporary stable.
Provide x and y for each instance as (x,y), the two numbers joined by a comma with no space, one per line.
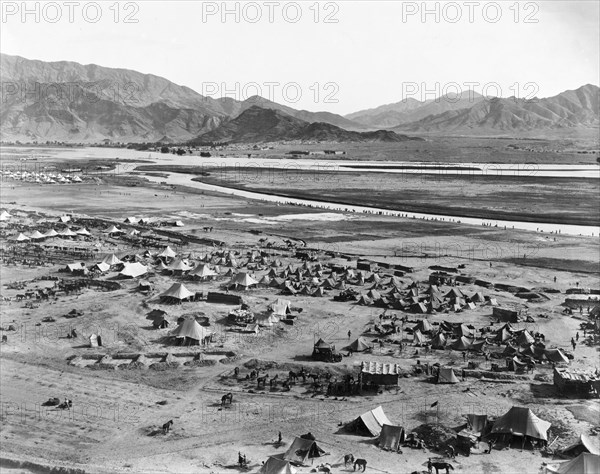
(446,375)
(302,449)
(370,423)
(391,437)
(275,465)
(380,373)
(522,422)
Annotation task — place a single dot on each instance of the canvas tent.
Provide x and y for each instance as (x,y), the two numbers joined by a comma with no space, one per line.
(477,424)
(391,437)
(267,320)
(203,271)
(446,375)
(370,423)
(177,292)
(37,235)
(424,326)
(111,260)
(275,465)
(439,341)
(359,345)
(585,463)
(302,449)
(189,331)
(557,356)
(521,422)
(133,270)
(101,267)
(585,444)
(281,307)
(179,266)
(243,279)
(22,238)
(168,252)
(113,230)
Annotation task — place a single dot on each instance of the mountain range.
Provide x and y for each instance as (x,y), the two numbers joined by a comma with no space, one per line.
(68,101)
(258,124)
(473,112)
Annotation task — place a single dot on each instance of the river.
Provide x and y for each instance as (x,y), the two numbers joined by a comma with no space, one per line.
(497,169)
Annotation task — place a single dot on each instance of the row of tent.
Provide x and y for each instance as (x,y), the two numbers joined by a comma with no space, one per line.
(518,421)
(51,233)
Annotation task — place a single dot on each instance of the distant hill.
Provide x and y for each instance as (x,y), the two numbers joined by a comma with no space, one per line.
(235,108)
(88,103)
(259,125)
(570,109)
(472,112)
(411,110)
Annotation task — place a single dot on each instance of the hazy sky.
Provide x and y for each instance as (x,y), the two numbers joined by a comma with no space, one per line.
(339,56)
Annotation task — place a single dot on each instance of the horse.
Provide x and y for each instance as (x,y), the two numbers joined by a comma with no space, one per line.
(361,463)
(348,459)
(324,467)
(292,376)
(439,465)
(273,381)
(227,398)
(262,380)
(315,377)
(167,426)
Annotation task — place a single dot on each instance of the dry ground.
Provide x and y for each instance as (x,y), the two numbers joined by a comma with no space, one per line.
(111,428)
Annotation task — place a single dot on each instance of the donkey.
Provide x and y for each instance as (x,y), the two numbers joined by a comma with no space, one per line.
(361,463)
(167,426)
(227,398)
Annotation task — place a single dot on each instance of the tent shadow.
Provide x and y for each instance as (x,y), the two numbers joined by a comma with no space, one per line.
(303,358)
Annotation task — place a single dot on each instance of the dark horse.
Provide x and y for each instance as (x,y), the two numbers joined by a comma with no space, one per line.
(361,463)
(227,398)
(167,426)
(439,465)
(348,459)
